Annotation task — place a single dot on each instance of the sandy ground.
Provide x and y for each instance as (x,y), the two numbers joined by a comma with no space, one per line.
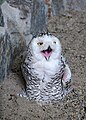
(71,29)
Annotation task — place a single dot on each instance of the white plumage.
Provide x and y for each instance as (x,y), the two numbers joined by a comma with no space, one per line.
(47,75)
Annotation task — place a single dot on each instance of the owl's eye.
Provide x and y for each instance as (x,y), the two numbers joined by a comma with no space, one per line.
(54,42)
(40,43)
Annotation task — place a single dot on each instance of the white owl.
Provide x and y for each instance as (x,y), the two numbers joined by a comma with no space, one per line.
(45,71)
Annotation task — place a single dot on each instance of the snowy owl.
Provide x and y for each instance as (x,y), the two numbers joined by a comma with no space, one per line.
(47,75)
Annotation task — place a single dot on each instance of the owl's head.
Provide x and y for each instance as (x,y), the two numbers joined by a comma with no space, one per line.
(46,46)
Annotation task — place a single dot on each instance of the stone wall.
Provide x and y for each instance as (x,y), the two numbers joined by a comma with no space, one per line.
(5,53)
(20,20)
(39,17)
(1,18)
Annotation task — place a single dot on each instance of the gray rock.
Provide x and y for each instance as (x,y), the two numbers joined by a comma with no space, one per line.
(1,18)
(38,18)
(12,40)
(57,7)
(5,53)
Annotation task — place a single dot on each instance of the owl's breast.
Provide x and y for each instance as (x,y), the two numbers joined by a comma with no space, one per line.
(46,68)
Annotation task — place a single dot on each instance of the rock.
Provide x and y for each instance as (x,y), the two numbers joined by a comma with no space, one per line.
(1,18)
(12,39)
(57,7)
(39,17)
(14,15)
(5,53)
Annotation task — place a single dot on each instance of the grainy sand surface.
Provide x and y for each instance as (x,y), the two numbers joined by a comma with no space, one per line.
(71,29)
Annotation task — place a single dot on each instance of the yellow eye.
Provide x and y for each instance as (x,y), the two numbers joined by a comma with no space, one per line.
(40,43)
(54,42)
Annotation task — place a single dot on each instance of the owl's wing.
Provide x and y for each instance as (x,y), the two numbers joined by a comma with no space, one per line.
(67,76)
(26,66)
(25,71)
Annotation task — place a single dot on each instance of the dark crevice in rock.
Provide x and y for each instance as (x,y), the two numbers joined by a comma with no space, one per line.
(1,18)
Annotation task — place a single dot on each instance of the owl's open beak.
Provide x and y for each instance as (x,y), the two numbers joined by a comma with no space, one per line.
(47,53)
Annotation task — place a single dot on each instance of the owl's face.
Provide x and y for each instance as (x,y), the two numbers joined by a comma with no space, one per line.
(46,47)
